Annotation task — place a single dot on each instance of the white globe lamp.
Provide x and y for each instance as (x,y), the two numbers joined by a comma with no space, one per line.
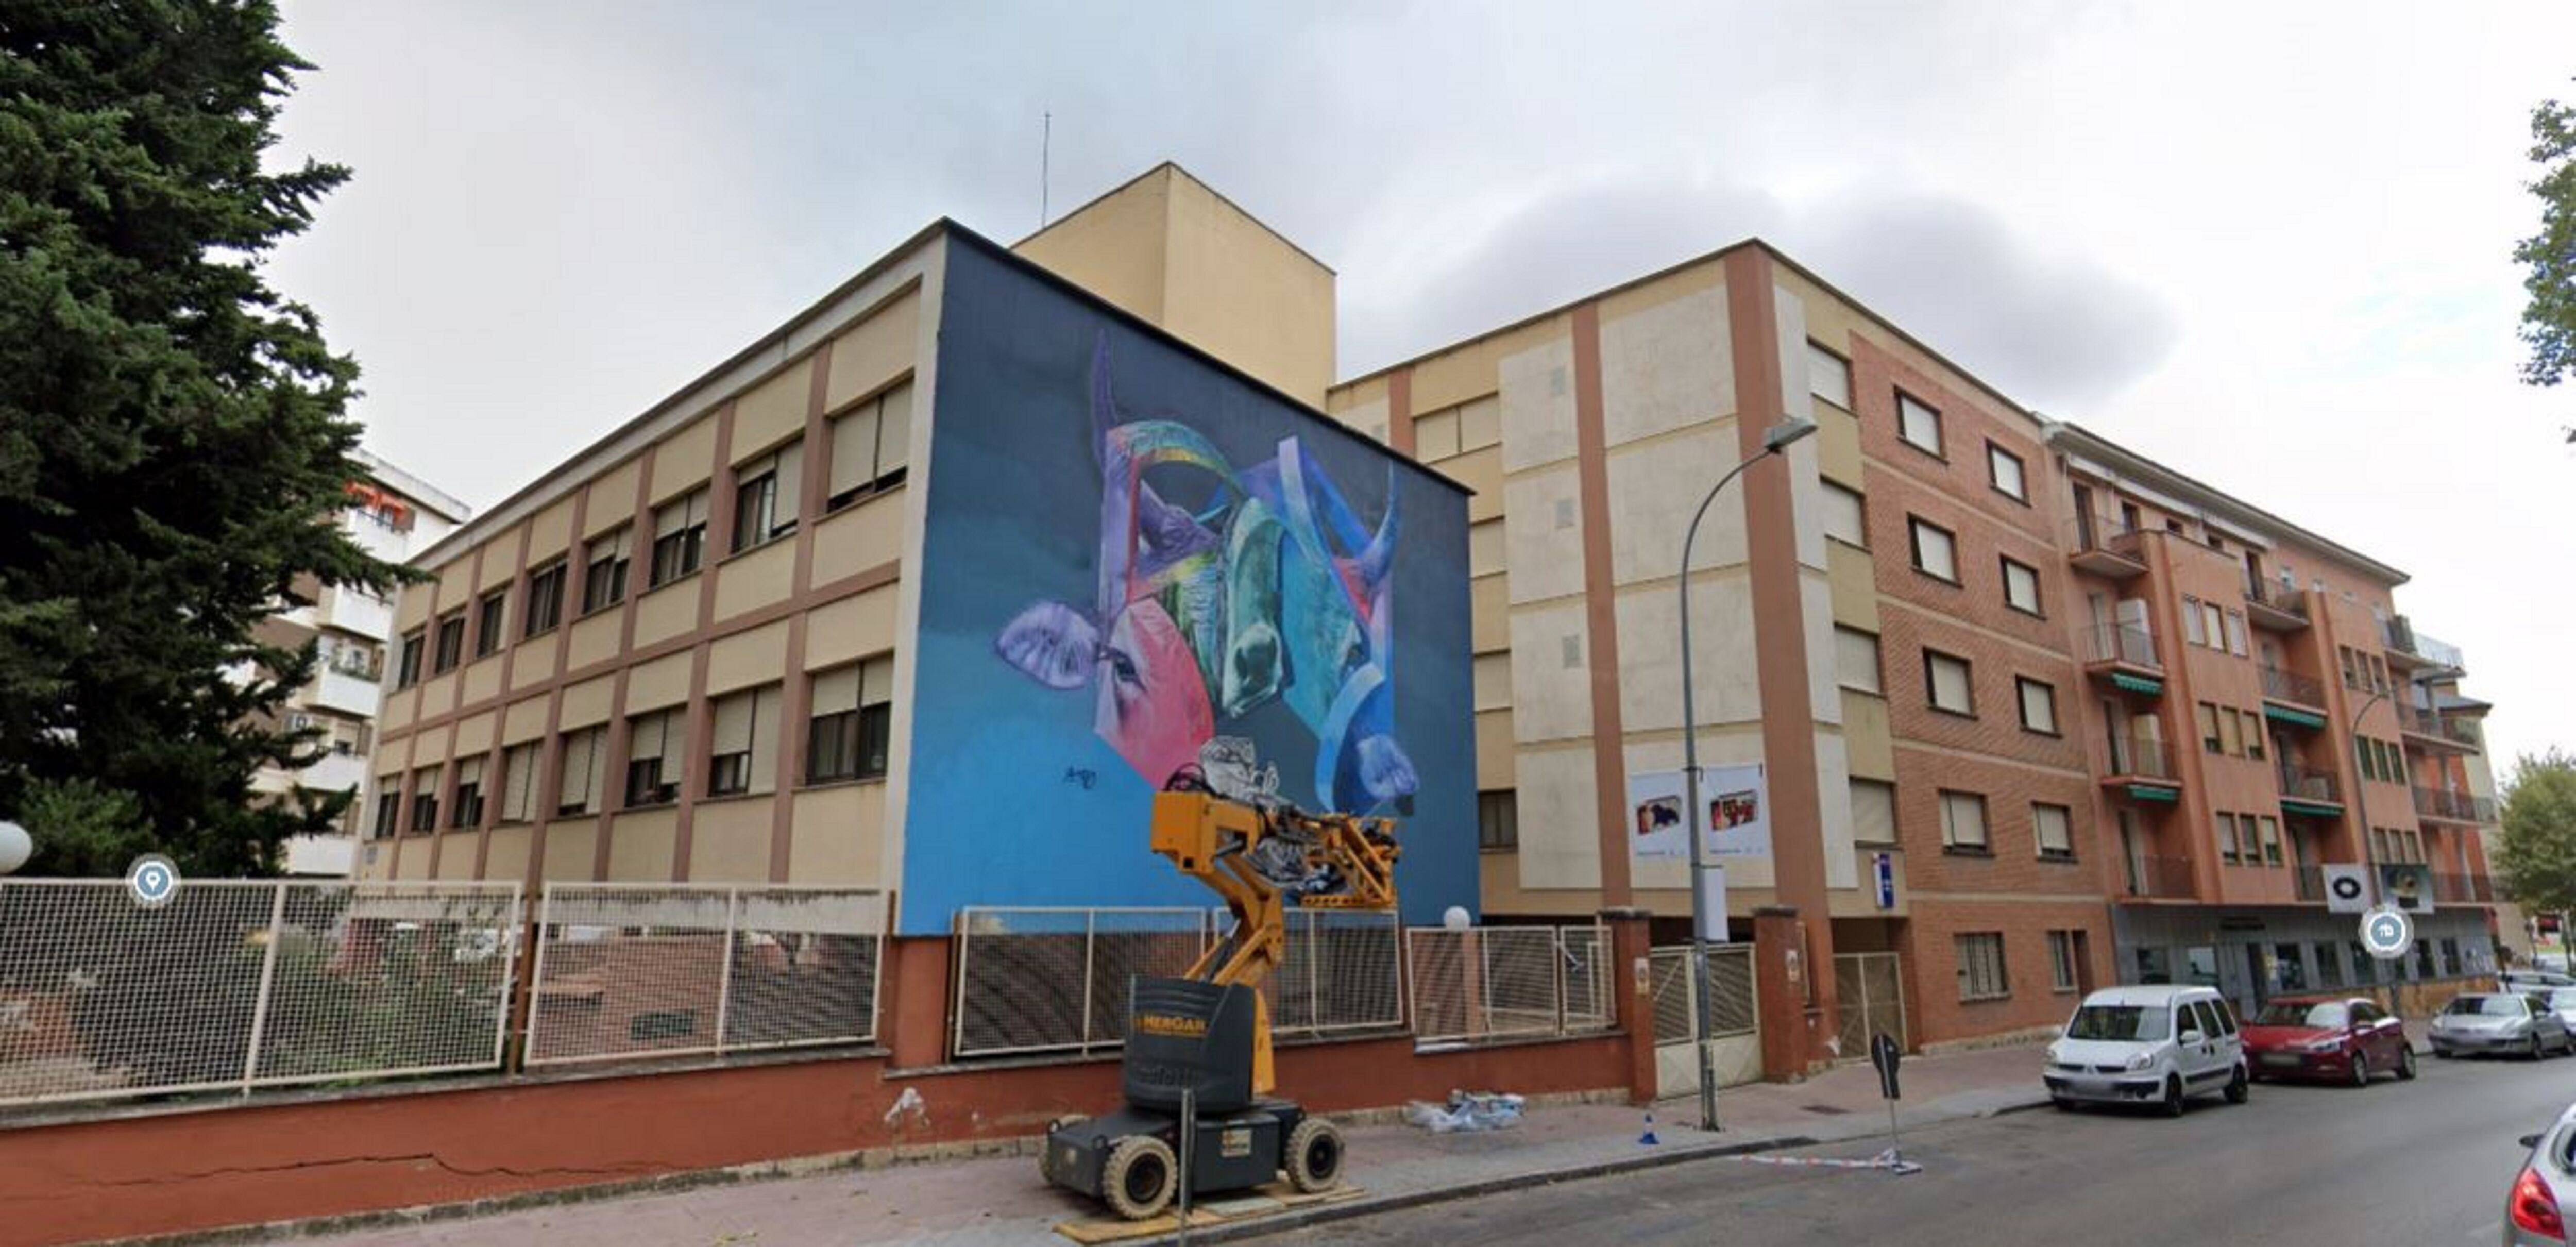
(1455,918)
(16,846)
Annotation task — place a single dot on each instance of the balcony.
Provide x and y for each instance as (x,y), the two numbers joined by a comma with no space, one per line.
(2143,767)
(348,694)
(2160,878)
(2104,546)
(2436,731)
(2280,608)
(2408,648)
(2453,807)
(2124,654)
(2310,882)
(2456,889)
(2292,689)
(2306,790)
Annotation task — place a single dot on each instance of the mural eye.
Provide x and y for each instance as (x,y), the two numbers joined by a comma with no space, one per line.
(1121,666)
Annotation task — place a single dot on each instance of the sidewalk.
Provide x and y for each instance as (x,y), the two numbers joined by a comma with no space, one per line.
(1001,1200)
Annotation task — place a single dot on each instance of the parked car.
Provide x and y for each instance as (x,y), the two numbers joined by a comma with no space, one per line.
(2156,1044)
(2507,1022)
(2535,1206)
(2533,980)
(2562,1001)
(2555,963)
(2346,1039)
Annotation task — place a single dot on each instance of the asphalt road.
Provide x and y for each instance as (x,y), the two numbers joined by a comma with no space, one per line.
(2420,1164)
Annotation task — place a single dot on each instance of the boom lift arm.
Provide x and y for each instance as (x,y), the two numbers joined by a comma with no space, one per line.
(1255,856)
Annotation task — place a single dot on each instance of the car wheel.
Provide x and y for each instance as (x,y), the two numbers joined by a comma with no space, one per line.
(1137,1180)
(2441,1053)
(2063,1104)
(2360,1071)
(2172,1104)
(2531,1048)
(2239,1086)
(2406,1063)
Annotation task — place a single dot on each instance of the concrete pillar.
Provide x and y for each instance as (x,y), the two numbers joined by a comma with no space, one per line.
(912,1001)
(1634,990)
(1791,1042)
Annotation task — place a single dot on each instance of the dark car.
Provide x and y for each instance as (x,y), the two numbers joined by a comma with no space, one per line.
(2346,1039)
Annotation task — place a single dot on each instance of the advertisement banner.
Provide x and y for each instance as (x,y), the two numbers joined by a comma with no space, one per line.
(2347,888)
(1655,816)
(1739,810)
(2407,887)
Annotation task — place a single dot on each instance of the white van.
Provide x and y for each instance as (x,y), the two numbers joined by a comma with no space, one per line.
(2154,1044)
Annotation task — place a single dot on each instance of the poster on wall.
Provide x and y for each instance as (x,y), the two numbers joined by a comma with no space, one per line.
(1656,801)
(2407,887)
(1739,810)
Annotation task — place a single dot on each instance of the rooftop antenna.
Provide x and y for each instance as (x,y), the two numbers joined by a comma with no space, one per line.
(1046,145)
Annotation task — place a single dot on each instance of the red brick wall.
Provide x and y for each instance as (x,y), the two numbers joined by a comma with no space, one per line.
(1934,1012)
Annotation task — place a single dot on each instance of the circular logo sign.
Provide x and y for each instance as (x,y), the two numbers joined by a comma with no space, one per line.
(2345,887)
(153,879)
(2386,932)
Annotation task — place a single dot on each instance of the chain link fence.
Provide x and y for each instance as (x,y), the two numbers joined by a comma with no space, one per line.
(234,985)
(1492,983)
(627,971)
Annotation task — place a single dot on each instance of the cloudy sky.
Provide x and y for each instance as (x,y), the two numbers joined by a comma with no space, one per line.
(2267,244)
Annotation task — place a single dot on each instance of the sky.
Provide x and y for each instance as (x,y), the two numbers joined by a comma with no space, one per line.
(2268,245)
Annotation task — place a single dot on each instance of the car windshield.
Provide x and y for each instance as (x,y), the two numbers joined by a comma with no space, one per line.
(2485,1006)
(2563,998)
(2329,1015)
(2121,1022)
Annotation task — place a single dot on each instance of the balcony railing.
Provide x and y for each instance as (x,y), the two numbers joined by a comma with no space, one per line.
(2407,644)
(2460,889)
(2160,877)
(2437,726)
(2457,807)
(2127,644)
(2104,546)
(2306,783)
(2290,686)
(2275,605)
(2141,757)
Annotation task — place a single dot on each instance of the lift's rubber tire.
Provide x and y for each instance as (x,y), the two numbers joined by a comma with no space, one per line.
(1314,1156)
(1136,1181)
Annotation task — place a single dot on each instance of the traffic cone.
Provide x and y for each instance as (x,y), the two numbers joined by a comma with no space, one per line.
(1648,1139)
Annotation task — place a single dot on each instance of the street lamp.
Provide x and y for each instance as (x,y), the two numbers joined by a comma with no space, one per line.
(15,846)
(1774,440)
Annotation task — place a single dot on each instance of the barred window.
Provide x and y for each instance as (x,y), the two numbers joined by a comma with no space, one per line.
(1981,965)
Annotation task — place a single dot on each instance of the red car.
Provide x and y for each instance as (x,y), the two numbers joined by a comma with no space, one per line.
(2344,1039)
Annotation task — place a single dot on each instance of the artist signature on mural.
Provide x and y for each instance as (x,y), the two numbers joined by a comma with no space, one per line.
(1082,775)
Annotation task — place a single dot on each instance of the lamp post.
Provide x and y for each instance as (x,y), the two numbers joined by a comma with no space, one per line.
(1774,440)
(16,846)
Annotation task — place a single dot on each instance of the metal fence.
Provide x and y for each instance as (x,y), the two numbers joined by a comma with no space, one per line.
(1871,990)
(1055,979)
(1490,983)
(233,985)
(1731,1007)
(1341,971)
(626,971)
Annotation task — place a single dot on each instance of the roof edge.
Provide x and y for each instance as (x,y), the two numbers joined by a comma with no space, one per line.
(2206,494)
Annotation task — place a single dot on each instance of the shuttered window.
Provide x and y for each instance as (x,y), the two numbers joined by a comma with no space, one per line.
(1963,820)
(852,718)
(2052,828)
(519,765)
(1946,683)
(742,755)
(1873,805)
(1828,376)
(1856,660)
(1844,516)
(871,444)
(657,749)
(467,811)
(579,791)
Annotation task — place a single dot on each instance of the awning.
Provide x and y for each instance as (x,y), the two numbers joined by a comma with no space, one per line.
(2320,809)
(2300,718)
(2137,684)
(2149,792)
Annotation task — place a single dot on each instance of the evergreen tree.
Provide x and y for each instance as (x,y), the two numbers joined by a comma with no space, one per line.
(173,443)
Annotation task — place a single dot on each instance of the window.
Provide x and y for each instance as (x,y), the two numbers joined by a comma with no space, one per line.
(1981,965)
(2253,734)
(1873,804)
(388,806)
(2061,961)
(2351,667)
(407,670)
(519,765)
(1856,660)
(2271,828)
(1498,822)
(451,642)
(870,443)
(2364,758)
(2228,849)
(1493,681)
(1946,683)
(2330,974)
(424,800)
(545,599)
(2209,737)
(742,756)
(1828,376)
(603,576)
(1845,518)
(2053,828)
(2214,624)
(488,615)
(1935,550)
(679,538)
(2003,469)
(1963,821)
(2236,633)
(852,714)
(2021,587)
(468,811)
(2192,630)
(765,493)
(1485,548)
(578,792)
(1919,425)
(2038,705)
(657,749)
(2230,733)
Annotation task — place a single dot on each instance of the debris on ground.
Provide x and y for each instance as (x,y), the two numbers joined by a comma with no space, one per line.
(1467,1111)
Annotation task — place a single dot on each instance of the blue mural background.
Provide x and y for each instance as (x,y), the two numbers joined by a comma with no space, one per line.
(1018,794)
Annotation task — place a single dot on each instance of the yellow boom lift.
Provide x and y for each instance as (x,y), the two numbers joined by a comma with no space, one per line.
(1208,1032)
